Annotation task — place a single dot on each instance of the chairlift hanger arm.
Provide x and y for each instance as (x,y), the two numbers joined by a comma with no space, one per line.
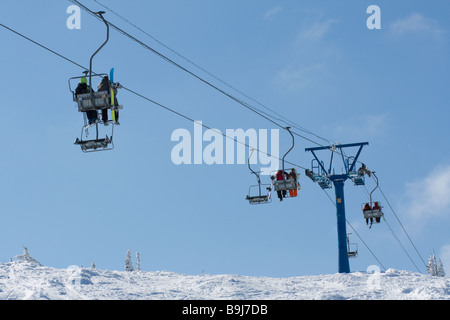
(100,13)
(376,180)
(252,171)
(293,143)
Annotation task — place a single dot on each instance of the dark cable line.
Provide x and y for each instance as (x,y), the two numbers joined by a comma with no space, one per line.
(400,243)
(404,230)
(393,233)
(44,47)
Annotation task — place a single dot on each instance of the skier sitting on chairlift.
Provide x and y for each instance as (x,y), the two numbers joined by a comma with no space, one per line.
(106,86)
(377,207)
(293,175)
(83,87)
(280,175)
(367,208)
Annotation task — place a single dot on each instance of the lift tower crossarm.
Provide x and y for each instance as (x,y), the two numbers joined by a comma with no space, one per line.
(338,146)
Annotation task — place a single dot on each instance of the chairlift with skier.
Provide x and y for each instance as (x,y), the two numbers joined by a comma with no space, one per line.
(372,210)
(285,183)
(92,103)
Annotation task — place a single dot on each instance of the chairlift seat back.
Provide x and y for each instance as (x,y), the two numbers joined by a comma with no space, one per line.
(93,101)
(282,185)
(371,212)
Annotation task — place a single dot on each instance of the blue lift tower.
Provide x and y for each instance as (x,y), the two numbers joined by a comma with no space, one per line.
(325,178)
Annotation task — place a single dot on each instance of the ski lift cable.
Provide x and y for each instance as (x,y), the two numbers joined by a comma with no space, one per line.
(281,117)
(357,234)
(401,224)
(400,243)
(148,99)
(395,235)
(44,47)
(241,102)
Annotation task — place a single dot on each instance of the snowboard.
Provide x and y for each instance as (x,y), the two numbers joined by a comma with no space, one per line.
(111,81)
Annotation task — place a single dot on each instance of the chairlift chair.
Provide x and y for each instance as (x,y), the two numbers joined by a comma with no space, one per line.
(352,248)
(372,209)
(317,174)
(96,144)
(356,176)
(92,100)
(95,101)
(285,184)
(259,197)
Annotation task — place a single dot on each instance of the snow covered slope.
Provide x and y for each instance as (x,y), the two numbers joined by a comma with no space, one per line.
(29,280)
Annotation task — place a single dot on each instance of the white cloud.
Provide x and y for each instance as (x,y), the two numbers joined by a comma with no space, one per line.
(362,127)
(310,56)
(429,198)
(316,31)
(272,12)
(417,24)
(300,77)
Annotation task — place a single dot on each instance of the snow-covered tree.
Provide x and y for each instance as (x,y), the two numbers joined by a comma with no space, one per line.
(138,261)
(93,266)
(128,262)
(27,257)
(440,269)
(434,268)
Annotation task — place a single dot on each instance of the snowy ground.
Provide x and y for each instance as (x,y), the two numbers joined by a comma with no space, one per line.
(28,280)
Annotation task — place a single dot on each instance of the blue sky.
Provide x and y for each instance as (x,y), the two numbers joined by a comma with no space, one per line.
(315,62)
